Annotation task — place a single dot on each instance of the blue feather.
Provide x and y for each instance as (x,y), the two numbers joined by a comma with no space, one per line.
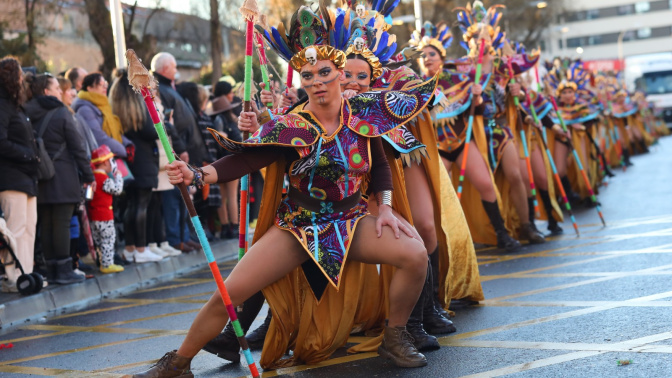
(464,45)
(280,45)
(390,6)
(382,44)
(388,54)
(371,22)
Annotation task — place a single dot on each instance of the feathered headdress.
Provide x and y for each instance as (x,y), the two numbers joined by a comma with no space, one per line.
(365,34)
(565,73)
(310,38)
(478,21)
(438,36)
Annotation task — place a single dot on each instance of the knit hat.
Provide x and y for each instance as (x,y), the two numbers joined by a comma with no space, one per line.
(101,155)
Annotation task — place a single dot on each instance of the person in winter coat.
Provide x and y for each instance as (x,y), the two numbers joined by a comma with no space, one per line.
(221,111)
(18,181)
(57,196)
(139,128)
(93,108)
(184,115)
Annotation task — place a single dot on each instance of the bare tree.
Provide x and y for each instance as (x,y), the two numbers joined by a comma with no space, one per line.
(101,28)
(215,41)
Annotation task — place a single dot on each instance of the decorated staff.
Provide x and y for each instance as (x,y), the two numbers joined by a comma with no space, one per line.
(263,63)
(479,66)
(533,189)
(250,12)
(552,162)
(142,81)
(578,162)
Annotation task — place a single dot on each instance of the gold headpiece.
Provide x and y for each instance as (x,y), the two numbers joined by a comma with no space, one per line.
(374,62)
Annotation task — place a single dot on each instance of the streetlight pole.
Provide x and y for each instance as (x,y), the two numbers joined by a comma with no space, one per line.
(118,33)
(620,44)
(418,14)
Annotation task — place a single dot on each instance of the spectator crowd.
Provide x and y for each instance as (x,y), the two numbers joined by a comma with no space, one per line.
(83,169)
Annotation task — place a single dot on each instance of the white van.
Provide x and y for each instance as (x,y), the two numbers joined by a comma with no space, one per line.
(652,74)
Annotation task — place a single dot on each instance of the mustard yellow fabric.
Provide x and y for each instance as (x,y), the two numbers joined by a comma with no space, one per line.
(111,123)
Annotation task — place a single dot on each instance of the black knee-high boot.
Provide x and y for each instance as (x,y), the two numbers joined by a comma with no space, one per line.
(504,240)
(552,223)
(226,345)
(257,337)
(626,157)
(432,320)
(421,339)
(572,196)
(434,260)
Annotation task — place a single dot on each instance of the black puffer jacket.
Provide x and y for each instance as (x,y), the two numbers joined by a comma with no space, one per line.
(145,166)
(65,187)
(18,149)
(184,119)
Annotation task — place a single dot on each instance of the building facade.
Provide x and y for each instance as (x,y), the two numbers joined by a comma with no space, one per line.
(610,30)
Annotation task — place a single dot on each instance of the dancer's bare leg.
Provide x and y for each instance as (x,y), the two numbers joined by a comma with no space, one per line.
(539,169)
(478,173)
(408,255)
(560,154)
(272,257)
(422,207)
(511,166)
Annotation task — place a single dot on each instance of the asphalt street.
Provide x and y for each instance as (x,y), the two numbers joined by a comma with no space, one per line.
(573,307)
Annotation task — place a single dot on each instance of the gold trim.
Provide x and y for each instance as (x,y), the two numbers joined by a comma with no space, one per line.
(323,53)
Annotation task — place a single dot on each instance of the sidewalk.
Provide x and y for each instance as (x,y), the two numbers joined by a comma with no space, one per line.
(16,309)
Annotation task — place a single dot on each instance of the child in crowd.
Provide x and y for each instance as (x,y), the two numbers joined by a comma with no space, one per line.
(108,183)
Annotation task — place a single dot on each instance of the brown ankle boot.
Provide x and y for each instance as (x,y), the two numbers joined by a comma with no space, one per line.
(530,233)
(171,365)
(398,346)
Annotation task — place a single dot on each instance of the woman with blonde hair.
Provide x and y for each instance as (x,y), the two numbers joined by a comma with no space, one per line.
(137,127)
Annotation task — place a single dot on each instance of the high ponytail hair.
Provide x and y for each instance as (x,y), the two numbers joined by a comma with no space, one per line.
(36,84)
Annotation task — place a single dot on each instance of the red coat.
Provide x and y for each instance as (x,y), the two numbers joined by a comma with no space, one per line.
(100,207)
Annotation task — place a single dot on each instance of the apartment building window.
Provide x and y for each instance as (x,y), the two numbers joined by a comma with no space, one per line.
(644,33)
(574,42)
(595,40)
(592,14)
(624,10)
(642,7)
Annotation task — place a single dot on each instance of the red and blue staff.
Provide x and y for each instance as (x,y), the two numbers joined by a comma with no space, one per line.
(142,81)
(533,188)
(578,162)
(479,67)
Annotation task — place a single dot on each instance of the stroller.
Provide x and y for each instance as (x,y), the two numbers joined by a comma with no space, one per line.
(26,283)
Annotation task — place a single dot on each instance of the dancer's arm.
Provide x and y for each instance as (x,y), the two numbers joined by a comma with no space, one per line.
(228,168)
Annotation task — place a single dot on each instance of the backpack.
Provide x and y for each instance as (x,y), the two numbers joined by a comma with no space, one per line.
(46,170)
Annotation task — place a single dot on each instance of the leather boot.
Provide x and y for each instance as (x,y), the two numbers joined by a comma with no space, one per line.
(572,196)
(434,260)
(51,270)
(256,338)
(65,274)
(432,321)
(225,345)
(530,233)
(171,365)
(398,346)
(642,146)
(421,339)
(553,226)
(504,240)
(626,157)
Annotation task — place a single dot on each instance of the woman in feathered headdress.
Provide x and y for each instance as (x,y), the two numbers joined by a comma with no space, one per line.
(304,241)
(370,67)
(568,81)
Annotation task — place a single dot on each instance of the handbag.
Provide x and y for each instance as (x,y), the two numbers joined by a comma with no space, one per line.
(124,171)
(46,170)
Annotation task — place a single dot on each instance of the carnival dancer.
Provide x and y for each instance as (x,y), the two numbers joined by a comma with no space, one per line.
(369,49)
(568,81)
(540,161)
(535,168)
(322,225)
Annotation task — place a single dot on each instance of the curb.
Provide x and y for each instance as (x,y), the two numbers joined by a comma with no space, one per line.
(60,299)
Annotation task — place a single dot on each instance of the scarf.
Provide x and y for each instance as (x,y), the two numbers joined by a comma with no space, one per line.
(111,123)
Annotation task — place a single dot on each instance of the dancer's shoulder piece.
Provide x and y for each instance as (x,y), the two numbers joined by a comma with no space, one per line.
(377,113)
(285,130)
